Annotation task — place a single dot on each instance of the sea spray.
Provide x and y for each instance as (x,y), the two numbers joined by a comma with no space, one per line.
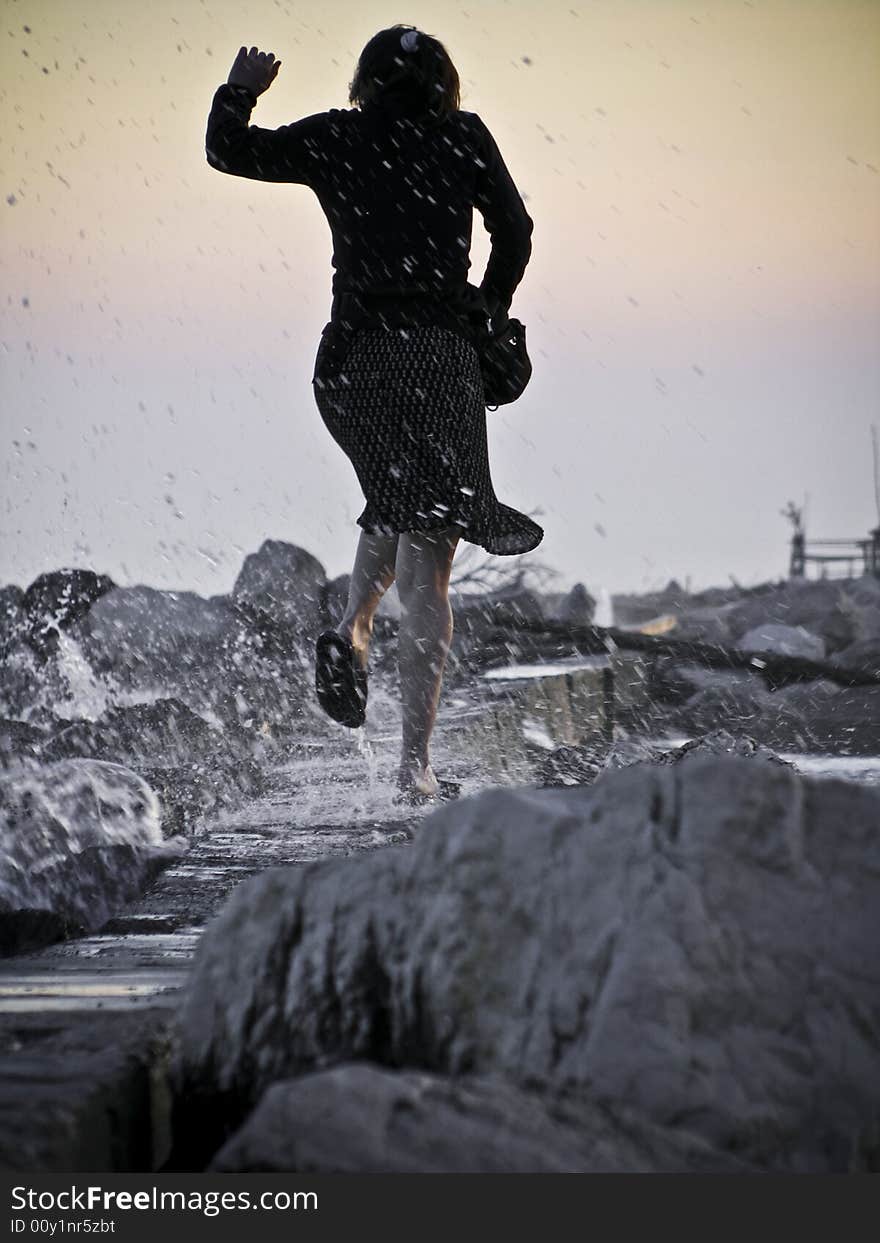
(604,614)
(368,755)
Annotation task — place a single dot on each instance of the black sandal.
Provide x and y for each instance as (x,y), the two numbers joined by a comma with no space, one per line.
(340,681)
(446,792)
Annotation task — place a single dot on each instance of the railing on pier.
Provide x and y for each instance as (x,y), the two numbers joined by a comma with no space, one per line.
(835,558)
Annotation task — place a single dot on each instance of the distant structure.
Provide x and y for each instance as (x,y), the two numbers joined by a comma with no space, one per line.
(835,558)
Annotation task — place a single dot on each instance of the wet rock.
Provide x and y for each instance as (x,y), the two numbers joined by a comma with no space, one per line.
(194,768)
(862,604)
(85,1093)
(806,697)
(862,657)
(837,612)
(737,706)
(585,764)
(18,739)
(56,601)
(823,608)
(721,742)
(285,584)
(783,640)
(822,717)
(362,1119)
(572,766)
(270,698)
(189,793)
(507,606)
(673,682)
(577,608)
(247,670)
(334,599)
(78,839)
(692,940)
(478,616)
(144,636)
(163,732)
(814,717)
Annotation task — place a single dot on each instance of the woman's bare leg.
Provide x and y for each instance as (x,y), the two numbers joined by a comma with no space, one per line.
(424,564)
(371,576)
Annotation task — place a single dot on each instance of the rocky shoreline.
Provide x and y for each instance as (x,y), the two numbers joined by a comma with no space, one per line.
(614,981)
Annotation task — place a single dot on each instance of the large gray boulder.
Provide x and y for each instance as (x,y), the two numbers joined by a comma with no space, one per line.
(363,1119)
(693,941)
(823,607)
(56,601)
(285,583)
(783,641)
(78,839)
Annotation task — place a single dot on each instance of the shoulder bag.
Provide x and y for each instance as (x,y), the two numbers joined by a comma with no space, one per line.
(504,362)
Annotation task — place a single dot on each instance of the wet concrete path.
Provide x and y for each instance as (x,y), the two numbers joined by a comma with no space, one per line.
(334,798)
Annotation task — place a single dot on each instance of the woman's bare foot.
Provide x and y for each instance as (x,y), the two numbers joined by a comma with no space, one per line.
(416,778)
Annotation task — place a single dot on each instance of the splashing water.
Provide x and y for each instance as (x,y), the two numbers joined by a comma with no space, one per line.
(368,755)
(87,696)
(604,614)
(72,690)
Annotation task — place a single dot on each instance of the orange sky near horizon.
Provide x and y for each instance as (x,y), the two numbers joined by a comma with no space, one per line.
(706,271)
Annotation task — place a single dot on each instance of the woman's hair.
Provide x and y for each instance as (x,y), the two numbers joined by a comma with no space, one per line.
(406,70)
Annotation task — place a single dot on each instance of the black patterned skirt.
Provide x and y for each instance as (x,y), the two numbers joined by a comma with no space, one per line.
(406,406)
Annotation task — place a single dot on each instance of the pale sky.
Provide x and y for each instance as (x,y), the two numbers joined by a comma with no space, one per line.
(702,304)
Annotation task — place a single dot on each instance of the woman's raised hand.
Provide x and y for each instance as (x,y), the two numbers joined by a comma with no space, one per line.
(254,69)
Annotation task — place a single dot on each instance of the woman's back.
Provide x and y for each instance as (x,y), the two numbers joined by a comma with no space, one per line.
(398,192)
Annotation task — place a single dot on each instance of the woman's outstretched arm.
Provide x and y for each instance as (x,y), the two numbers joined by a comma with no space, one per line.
(290,153)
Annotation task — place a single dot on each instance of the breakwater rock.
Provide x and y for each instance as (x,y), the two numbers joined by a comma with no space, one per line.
(584,764)
(364,1119)
(78,839)
(692,944)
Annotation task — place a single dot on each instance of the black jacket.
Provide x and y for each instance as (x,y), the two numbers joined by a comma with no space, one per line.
(398,193)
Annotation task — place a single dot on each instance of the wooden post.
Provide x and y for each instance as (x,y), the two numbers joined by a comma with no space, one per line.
(796,564)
